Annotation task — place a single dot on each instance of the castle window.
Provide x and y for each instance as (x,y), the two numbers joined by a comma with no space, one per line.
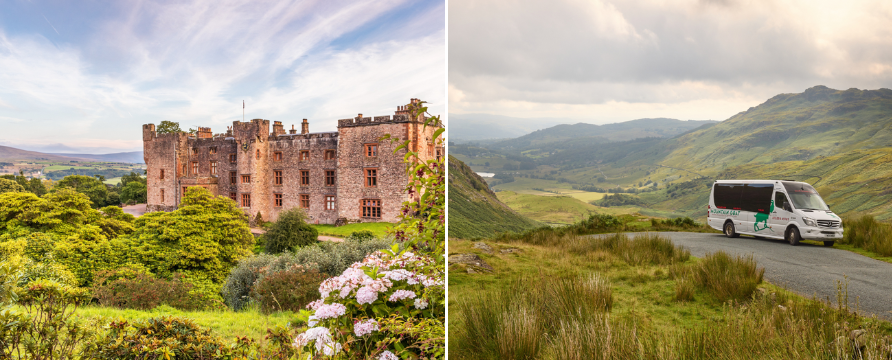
(278,176)
(371,150)
(329,178)
(162,175)
(194,151)
(232,196)
(371,177)
(440,153)
(304,155)
(246,179)
(277,156)
(246,200)
(162,196)
(430,149)
(233,158)
(212,150)
(304,201)
(305,178)
(184,191)
(329,202)
(258,153)
(184,169)
(213,168)
(371,208)
(278,199)
(232,178)
(330,154)
(195,168)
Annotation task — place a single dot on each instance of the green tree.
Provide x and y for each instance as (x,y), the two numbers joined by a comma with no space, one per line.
(135,192)
(133,176)
(168,127)
(7,185)
(90,186)
(204,238)
(36,186)
(289,232)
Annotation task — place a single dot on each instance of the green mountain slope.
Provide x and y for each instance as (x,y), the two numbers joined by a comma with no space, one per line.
(474,210)
(566,136)
(838,140)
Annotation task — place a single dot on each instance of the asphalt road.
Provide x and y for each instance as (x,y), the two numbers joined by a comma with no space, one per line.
(806,269)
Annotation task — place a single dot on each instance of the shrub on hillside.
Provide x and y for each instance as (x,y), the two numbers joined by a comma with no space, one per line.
(330,258)
(287,290)
(128,289)
(289,232)
(43,327)
(156,339)
(683,223)
(618,200)
(728,277)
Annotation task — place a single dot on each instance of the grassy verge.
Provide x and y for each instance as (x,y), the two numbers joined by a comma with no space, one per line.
(227,324)
(377,228)
(615,298)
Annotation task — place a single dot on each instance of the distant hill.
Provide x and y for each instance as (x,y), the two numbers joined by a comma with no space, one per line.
(10,153)
(134,157)
(474,210)
(487,126)
(568,136)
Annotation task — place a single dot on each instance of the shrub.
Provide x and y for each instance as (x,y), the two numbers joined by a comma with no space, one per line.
(287,290)
(45,329)
(289,232)
(360,236)
(728,277)
(156,338)
(330,258)
(7,185)
(683,223)
(867,233)
(128,289)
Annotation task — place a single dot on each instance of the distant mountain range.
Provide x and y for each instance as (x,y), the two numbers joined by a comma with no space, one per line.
(11,153)
(134,157)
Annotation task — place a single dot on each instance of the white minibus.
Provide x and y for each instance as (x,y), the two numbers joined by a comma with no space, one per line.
(777,209)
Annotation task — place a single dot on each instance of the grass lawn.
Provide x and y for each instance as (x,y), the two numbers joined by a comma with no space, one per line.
(377,228)
(113,181)
(227,324)
(556,209)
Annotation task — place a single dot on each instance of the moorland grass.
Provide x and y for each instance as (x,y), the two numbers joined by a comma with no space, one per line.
(867,233)
(529,308)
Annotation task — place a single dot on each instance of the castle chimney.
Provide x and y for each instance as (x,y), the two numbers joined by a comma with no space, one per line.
(278,128)
(305,127)
(292,131)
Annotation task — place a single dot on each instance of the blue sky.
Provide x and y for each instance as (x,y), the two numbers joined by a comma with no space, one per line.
(83,76)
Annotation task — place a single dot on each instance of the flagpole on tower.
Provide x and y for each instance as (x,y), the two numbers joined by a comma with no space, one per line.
(243,110)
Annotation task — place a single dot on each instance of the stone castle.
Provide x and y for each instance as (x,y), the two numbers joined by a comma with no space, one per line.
(350,175)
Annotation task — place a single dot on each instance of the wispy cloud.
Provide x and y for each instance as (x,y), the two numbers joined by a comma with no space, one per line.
(194,62)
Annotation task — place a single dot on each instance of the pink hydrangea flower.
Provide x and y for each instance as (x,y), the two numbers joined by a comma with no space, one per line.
(366,295)
(387,355)
(402,294)
(329,311)
(363,328)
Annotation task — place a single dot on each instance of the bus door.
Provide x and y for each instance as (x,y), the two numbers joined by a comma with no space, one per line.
(781,214)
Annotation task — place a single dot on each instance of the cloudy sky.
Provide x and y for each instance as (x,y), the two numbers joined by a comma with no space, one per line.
(83,76)
(603,61)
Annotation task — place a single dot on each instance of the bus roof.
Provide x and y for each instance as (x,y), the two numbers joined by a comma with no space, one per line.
(755,181)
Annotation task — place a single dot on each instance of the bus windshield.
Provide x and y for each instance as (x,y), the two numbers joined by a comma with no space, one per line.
(804,197)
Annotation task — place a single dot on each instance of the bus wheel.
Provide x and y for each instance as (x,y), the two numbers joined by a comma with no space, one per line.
(829,243)
(729,230)
(793,236)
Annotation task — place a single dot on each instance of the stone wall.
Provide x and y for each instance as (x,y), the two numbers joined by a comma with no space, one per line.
(291,166)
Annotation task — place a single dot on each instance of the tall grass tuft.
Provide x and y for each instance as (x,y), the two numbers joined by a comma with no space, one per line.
(867,233)
(684,290)
(726,277)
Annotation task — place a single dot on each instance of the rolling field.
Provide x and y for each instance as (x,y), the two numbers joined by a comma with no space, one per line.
(556,209)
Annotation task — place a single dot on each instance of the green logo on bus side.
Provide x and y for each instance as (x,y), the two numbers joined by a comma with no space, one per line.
(725,212)
(763,218)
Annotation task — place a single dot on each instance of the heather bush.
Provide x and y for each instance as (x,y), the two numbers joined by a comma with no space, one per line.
(287,290)
(682,223)
(129,289)
(330,258)
(289,232)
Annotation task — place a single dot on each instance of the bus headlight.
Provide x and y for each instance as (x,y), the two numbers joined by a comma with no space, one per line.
(809,221)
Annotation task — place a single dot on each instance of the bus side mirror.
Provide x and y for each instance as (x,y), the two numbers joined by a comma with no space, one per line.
(787,206)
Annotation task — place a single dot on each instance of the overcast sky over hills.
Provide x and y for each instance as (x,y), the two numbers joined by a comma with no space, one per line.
(84,76)
(604,61)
